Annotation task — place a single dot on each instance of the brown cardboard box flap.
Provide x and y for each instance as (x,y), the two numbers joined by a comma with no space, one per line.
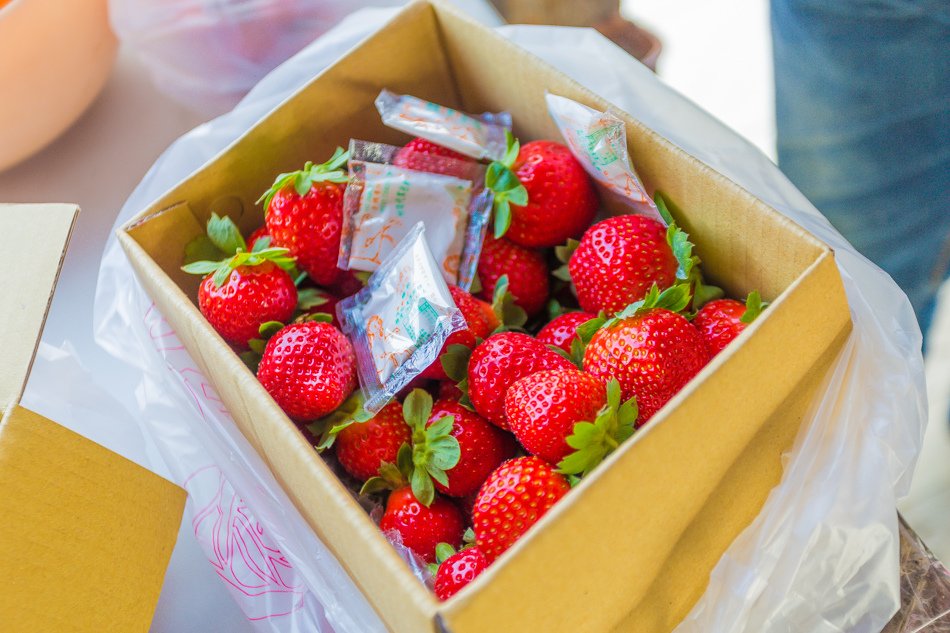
(34,243)
(86,534)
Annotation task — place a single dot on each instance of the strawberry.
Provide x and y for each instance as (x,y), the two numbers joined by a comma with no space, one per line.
(479,326)
(309,369)
(259,233)
(592,441)
(526,270)
(457,570)
(422,527)
(556,199)
(433,450)
(422,155)
(722,320)
(318,301)
(362,447)
(649,348)
(348,283)
(247,288)
(448,390)
(515,496)
(482,448)
(561,332)
(618,260)
(497,363)
(304,214)
(542,409)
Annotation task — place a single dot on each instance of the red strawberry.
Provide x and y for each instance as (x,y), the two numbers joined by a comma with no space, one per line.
(618,260)
(318,301)
(259,233)
(514,497)
(432,452)
(422,155)
(722,320)
(421,528)
(526,270)
(542,409)
(650,349)
(482,448)
(448,390)
(245,290)
(479,326)
(347,283)
(458,570)
(497,363)
(562,330)
(561,201)
(251,296)
(309,369)
(304,214)
(362,446)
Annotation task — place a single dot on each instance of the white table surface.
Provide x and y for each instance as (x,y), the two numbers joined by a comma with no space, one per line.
(96,164)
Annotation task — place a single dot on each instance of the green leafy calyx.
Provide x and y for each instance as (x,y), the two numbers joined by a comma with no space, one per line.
(443,551)
(350,412)
(687,262)
(455,361)
(593,441)
(509,314)
(753,307)
(563,254)
(675,299)
(679,242)
(309,298)
(505,185)
(391,476)
(223,249)
(302,180)
(587,329)
(434,450)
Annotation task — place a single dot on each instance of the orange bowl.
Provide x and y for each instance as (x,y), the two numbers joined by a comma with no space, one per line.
(54,59)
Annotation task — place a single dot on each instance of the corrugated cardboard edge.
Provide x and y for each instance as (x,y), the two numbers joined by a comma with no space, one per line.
(86,534)
(35,238)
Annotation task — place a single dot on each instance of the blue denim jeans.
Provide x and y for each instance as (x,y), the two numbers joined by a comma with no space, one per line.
(863,119)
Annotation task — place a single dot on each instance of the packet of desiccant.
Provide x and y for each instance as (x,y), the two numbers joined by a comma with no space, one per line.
(481,136)
(384,201)
(400,320)
(599,141)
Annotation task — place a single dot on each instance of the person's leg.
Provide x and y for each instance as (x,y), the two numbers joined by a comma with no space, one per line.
(863,121)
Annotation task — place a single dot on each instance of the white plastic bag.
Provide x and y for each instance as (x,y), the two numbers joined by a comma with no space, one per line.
(822,554)
(207,54)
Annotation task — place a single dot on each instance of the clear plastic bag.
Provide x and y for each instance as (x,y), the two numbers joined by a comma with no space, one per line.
(823,553)
(599,141)
(400,320)
(481,136)
(383,202)
(207,54)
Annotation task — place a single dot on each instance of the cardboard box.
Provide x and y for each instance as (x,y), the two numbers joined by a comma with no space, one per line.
(632,546)
(86,534)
